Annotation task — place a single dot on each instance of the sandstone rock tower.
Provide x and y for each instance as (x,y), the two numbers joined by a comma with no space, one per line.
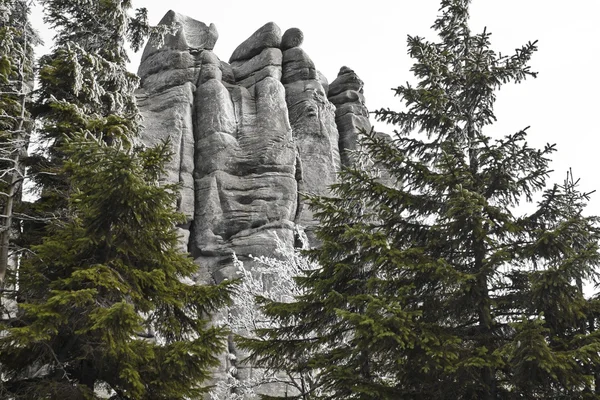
(248,136)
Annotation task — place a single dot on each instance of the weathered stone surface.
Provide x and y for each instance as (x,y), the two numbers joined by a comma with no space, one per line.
(168,115)
(347,96)
(166,60)
(180,58)
(159,82)
(267,64)
(166,99)
(267,72)
(356,108)
(323,81)
(249,137)
(352,116)
(235,206)
(312,118)
(214,110)
(298,66)
(210,67)
(227,73)
(269,35)
(346,80)
(268,57)
(293,37)
(190,34)
(245,180)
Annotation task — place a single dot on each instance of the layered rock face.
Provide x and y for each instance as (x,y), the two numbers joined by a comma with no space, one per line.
(250,136)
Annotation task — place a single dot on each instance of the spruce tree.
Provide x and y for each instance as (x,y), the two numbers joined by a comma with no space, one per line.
(17,39)
(85,75)
(102,307)
(432,284)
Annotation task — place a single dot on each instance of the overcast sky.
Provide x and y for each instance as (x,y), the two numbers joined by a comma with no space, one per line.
(561,105)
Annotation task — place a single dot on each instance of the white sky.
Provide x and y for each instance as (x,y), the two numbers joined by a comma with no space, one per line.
(561,105)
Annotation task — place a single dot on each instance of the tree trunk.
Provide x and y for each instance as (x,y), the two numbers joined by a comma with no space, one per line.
(16,146)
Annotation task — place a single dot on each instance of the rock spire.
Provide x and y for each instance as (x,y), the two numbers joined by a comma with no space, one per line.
(249,137)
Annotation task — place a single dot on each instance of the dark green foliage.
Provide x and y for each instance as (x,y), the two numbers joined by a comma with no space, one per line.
(84,86)
(105,279)
(431,286)
(99,303)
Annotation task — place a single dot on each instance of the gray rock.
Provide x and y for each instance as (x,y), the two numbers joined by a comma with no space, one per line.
(352,116)
(189,35)
(214,110)
(267,36)
(293,37)
(269,57)
(348,96)
(168,116)
(249,137)
(227,72)
(210,67)
(267,72)
(166,60)
(323,81)
(180,57)
(346,80)
(350,127)
(297,66)
(245,163)
(159,82)
(312,118)
(356,108)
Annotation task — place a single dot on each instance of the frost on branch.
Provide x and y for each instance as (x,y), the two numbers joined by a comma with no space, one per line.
(271,278)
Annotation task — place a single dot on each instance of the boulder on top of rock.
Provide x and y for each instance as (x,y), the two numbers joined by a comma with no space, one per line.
(293,37)
(189,34)
(269,35)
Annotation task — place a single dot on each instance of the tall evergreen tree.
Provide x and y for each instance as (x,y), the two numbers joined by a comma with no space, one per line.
(431,285)
(103,307)
(85,85)
(101,303)
(17,39)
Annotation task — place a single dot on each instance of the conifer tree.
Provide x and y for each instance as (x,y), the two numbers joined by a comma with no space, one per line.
(17,39)
(432,285)
(102,307)
(85,75)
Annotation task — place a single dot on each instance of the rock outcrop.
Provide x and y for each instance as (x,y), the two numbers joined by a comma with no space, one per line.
(312,118)
(245,174)
(351,114)
(250,137)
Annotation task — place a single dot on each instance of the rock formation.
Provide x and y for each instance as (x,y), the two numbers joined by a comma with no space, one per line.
(351,114)
(250,137)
